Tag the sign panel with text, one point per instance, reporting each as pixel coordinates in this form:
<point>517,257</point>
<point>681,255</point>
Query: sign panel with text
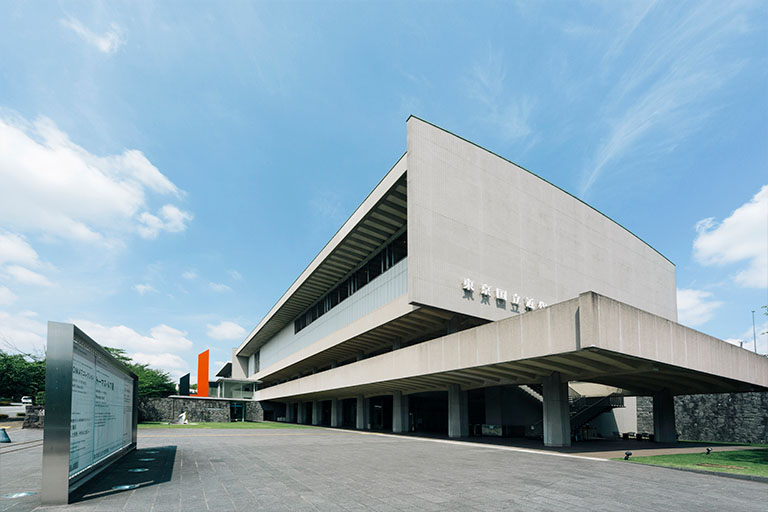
<point>91,411</point>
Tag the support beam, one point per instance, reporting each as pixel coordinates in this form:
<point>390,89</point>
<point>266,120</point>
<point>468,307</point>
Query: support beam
<point>399,412</point>
<point>315,412</point>
<point>664,430</point>
<point>458,415</point>
<point>557,420</point>
<point>335,412</point>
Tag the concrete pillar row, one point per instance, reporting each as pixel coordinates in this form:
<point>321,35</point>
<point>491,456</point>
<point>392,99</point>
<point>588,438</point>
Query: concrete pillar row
<point>315,412</point>
<point>664,430</point>
<point>335,412</point>
<point>360,424</point>
<point>458,412</point>
<point>557,411</point>
<point>399,412</point>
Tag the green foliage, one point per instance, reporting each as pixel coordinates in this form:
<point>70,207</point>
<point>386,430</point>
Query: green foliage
<point>742,462</point>
<point>152,383</point>
<point>3,416</point>
<point>40,398</point>
<point>21,414</point>
<point>21,375</point>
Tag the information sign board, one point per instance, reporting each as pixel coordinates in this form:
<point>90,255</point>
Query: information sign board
<point>91,411</point>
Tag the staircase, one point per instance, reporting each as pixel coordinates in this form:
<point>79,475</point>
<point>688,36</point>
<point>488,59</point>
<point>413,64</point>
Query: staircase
<point>585,409</point>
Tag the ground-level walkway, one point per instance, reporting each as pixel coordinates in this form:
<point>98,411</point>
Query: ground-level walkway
<point>325,469</point>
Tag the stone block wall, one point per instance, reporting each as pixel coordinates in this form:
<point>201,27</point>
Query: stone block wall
<point>725,417</point>
<point>168,409</point>
<point>34,417</point>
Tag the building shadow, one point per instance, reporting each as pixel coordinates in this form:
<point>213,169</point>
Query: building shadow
<point>140,468</point>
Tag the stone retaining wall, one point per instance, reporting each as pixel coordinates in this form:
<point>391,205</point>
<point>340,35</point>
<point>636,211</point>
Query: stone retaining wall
<point>198,410</point>
<point>725,417</point>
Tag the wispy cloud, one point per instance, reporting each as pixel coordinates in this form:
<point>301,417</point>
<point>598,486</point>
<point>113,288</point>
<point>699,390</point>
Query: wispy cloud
<point>219,287</point>
<point>664,88</point>
<point>142,289</point>
<point>189,275</point>
<point>234,274</point>
<point>486,84</point>
<point>740,238</point>
<point>108,42</point>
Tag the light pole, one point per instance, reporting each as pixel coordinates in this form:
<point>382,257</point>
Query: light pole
<point>754,334</point>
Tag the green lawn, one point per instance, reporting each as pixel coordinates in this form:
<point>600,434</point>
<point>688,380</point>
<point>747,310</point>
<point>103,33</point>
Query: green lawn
<point>742,462</point>
<point>238,424</point>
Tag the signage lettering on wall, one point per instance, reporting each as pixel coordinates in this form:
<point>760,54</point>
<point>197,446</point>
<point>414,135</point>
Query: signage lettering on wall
<point>529,303</point>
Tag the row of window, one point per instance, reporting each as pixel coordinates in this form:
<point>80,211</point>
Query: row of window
<point>380,263</point>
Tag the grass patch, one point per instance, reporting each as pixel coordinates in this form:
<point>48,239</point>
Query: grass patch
<point>232,425</point>
<point>724,443</point>
<point>740,462</point>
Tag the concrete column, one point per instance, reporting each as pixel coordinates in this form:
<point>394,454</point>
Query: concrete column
<point>289,413</point>
<point>362,417</point>
<point>397,343</point>
<point>399,412</point>
<point>664,430</point>
<point>458,417</point>
<point>301,413</point>
<point>493,408</point>
<point>359,356</point>
<point>315,412</point>
<point>557,411</point>
<point>335,412</point>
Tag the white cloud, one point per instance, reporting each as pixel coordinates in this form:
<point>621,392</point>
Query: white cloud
<point>740,238</point>
<point>141,289</point>
<point>26,276</point>
<point>166,361</point>
<point>15,249</point>
<point>189,275</point>
<point>695,307</point>
<point>226,331</point>
<point>57,188</point>
<point>161,339</point>
<point>219,287</point>
<point>108,42</point>
<point>170,219</point>
<point>234,274</point>
<point>22,331</point>
<point>7,297</point>
<point>748,336</point>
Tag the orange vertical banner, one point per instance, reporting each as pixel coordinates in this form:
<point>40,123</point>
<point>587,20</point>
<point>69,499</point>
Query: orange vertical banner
<point>202,373</point>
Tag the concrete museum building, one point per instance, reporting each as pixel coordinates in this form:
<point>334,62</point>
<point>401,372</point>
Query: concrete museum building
<point>468,295</point>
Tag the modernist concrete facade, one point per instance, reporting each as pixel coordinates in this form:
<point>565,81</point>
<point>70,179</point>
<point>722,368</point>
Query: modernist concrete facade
<point>466,291</point>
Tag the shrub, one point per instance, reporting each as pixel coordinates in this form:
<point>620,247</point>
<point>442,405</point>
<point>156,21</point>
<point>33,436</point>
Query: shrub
<point>20,414</point>
<point>40,398</point>
<point>4,402</point>
<point>3,416</point>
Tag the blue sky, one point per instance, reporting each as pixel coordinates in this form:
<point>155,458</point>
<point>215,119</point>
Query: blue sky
<point>168,169</point>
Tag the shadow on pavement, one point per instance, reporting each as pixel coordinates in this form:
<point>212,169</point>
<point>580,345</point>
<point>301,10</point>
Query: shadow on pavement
<point>140,468</point>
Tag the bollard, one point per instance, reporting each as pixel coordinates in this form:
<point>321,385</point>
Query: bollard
<point>4,436</point>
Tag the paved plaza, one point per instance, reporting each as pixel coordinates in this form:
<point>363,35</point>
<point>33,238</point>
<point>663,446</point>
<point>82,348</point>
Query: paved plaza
<point>324,469</point>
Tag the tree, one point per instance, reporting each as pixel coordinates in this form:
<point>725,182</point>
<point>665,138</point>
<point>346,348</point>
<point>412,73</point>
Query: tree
<point>21,375</point>
<point>152,383</point>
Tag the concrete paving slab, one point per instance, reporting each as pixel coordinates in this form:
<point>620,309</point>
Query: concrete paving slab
<point>326,469</point>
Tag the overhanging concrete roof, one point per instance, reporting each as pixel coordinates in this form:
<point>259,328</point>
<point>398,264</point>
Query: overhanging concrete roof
<point>591,338</point>
<point>381,215</point>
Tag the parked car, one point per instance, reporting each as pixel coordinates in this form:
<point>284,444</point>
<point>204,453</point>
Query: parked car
<point>26,400</point>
